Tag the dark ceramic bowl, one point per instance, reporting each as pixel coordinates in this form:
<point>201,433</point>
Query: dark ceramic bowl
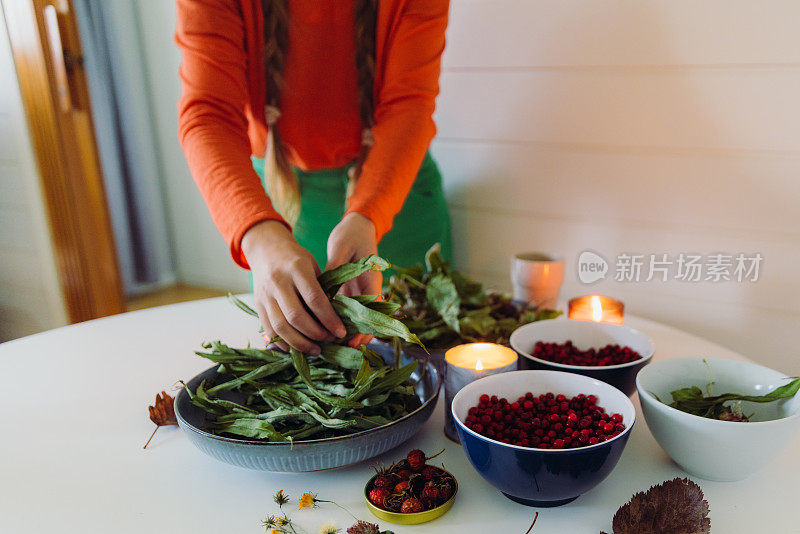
<point>542,477</point>
<point>585,335</point>
<point>306,455</point>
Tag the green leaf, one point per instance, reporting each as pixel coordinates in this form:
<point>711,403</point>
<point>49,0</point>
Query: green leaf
<point>434,261</point>
<point>341,355</point>
<point>301,365</point>
<point>371,322</point>
<point>264,371</point>
<point>443,296</point>
<point>233,299</point>
<point>333,279</point>
<point>786,391</point>
<point>470,292</point>
<point>690,393</point>
<point>251,428</point>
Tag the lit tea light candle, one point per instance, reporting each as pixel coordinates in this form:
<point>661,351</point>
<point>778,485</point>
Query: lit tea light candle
<point>596,308</point>
<point>467,363</point>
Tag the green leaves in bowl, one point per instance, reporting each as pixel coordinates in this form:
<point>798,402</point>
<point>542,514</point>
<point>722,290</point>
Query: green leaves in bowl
<point>271,395</point>
<point>443,307</point>
<point>726,407</point>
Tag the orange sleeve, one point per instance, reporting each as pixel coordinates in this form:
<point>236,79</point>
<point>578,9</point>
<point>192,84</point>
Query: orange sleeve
<point>406,100</point>
<point>212,125</point>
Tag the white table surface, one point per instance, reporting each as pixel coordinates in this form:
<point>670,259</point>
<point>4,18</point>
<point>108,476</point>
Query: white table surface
<point>74,418</point>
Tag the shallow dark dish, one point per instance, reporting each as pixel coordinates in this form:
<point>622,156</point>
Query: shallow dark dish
<point>542,477</point>
<point>308,455</point>
<point>585,335</point>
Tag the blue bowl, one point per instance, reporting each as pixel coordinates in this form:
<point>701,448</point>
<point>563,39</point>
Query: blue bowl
<point>585,335</point>
<point>542,477</point>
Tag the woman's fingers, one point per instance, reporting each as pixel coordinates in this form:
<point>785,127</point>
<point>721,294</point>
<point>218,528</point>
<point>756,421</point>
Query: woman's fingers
<point>317,301</point>
<point>288,333</point>
<point>297,315</point>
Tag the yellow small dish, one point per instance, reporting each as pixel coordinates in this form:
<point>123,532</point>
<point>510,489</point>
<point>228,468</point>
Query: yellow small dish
<point>415,518</point>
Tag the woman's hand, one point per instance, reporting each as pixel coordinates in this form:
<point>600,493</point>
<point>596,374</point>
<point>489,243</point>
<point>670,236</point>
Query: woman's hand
<point>285,277</point>
<point>353,238</point>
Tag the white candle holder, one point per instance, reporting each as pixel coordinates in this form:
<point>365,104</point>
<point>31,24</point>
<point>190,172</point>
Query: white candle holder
<point>467,363</point>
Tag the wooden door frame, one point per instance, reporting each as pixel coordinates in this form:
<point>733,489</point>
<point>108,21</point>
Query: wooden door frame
<point>60,125</point>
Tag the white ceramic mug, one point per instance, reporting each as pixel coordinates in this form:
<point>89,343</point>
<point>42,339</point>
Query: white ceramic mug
<point>537,278</point>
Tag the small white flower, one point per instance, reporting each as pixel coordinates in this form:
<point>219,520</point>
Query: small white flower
<point>328,528</point>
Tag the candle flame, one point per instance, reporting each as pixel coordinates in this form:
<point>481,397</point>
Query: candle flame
<point>479,365</point>
<point>597,309</point>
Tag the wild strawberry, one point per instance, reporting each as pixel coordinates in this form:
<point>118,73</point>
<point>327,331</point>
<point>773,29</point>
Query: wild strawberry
<point>377,496</point>
<point>411,506</point>
<point>431,494</point>
<point>446,490</point>
<point>416,460</point>
<point>382,482</point>
<point>401,486</point>
<point>430,472</point>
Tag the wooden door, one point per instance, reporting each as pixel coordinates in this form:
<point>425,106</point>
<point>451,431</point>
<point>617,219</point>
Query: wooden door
<point>47,55</point>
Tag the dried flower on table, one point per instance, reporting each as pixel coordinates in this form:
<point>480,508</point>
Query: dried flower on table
<point>307,500</point>
<point>362,527</point>
<point>676,506</point>
<point>162,413</point>
<point>328,528</point>
<point>280,498</point>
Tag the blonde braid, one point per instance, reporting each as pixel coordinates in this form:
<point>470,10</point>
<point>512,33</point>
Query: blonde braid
<point>366,20</point>
<point>281,181</point>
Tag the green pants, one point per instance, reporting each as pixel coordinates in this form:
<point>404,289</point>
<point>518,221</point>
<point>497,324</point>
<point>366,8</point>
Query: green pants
<point>423,220</point>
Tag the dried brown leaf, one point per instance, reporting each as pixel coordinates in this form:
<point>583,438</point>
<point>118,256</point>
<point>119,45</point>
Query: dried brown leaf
<point>676,506</point>
<point>162,413</point>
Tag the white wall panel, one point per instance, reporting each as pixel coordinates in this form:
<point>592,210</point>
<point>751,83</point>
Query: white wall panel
<point>721,194</point>
<point>743,109</point>
<point>546,33</point>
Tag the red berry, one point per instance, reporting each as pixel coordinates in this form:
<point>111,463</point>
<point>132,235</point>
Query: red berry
<point>416,460</point>
<point>377,496</point>
<point>593,441</point>
<point>608,428</point>
<point>431,494</point>
<point>411,506</point>
<point>401,486</point>
<point>617,418</point>
<point>382,482</point>
<point>430,472</point>
<point>484,399</point>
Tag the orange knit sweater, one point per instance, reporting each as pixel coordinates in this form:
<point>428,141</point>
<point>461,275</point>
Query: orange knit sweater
<point>221,110</point>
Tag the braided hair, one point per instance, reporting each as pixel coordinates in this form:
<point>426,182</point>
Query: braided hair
<point>281,181</point>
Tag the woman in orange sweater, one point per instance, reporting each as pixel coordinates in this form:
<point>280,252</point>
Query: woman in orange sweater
<point>306,126</point>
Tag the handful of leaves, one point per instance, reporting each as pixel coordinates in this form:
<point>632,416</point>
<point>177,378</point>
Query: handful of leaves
<point>445,308</point>
<point>272,395</point>
<point>692,400</point>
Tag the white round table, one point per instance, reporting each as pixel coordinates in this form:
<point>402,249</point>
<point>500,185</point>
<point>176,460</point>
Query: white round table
<point>74,419</point>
